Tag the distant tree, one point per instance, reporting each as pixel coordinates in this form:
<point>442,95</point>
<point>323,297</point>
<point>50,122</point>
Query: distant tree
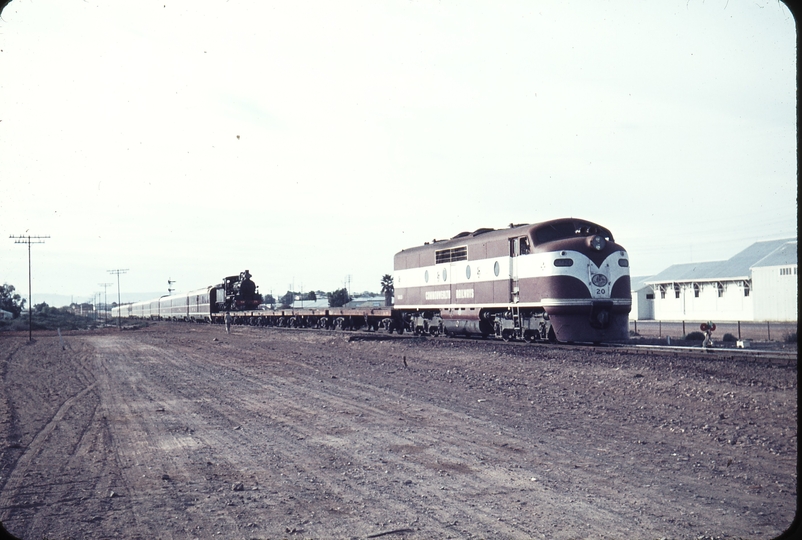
<point>311,296</point>
<point>287,299</point>
<point>10,301</point>
<point>268,299</point>
<point>42,308</point>
<point>388,289</point>
<point>338,298</point>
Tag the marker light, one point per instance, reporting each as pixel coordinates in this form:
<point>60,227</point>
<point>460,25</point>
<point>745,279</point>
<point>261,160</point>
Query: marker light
<point>597,242</point>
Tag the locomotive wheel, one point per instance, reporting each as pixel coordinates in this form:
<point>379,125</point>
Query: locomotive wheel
<point>506,335</point>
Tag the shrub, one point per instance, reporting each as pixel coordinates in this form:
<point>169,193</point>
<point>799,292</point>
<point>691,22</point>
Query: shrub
<point>695,336</point>
<point>729,338</point>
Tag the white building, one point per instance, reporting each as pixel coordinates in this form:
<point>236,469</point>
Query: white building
<point>759,283</point>
<point>774,284</point>
<point>642,300</point>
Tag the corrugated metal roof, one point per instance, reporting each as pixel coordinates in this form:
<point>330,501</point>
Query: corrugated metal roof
<point>705,271</point>
<point>736,267</point>
<point>320,303</point>
<point>637,283</point>
<point>784,255</point>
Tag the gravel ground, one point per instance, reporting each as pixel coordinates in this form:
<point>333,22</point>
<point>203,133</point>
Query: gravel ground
<point>183,431</point>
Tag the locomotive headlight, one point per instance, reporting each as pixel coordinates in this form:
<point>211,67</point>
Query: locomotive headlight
<point>599,280</point>
<point>597,242</point>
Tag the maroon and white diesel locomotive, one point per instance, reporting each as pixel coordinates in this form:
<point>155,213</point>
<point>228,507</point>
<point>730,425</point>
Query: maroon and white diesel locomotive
<point>564,280</point>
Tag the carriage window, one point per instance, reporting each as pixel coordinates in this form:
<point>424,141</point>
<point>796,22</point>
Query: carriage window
<point>524,245</point>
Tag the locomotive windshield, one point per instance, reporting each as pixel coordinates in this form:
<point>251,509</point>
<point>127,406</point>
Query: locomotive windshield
<point>561,230</point>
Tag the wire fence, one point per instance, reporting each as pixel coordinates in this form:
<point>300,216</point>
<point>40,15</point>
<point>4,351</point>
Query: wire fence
<point>755,330</point>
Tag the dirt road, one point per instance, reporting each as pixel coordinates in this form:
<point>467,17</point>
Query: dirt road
<point>181,431</point>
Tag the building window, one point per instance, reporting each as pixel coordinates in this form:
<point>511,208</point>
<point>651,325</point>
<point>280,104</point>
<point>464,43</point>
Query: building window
<point>696,290</point>
<point>676,290</point>
<point>650,296</point>
<point>746,288</point>
<point>662,292</point>
<point>720,289</point>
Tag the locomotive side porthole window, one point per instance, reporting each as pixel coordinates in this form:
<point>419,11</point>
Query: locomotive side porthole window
<point>445,275</point>
<point>496,269</point>
<point>426,276</point>
<point>468,271</point>
<point>623,262</point>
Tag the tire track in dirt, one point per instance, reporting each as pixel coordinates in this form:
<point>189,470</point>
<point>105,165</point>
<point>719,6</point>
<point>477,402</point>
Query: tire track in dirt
<point>32,500</point>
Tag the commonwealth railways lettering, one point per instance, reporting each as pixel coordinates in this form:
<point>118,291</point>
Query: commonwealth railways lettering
<point>438,295</point>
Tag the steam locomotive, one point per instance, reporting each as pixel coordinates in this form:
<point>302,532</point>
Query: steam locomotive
<point>560,280</point>
<point>235,293</point>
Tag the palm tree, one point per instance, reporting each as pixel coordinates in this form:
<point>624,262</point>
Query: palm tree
<point>388,289</point>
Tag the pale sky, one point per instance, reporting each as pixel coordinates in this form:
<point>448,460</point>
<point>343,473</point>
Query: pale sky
<point>311,141</point>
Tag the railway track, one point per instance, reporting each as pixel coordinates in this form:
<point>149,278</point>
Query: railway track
<point>724,353</point>
<point>778,357</point>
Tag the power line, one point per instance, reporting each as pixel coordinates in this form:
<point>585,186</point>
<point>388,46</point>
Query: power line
<point>119,306</point>
<point>29,239</point>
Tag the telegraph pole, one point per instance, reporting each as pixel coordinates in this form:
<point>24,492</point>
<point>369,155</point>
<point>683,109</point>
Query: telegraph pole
<point>119,303</point>
<point>23,239</point>
<point>105,300</point>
